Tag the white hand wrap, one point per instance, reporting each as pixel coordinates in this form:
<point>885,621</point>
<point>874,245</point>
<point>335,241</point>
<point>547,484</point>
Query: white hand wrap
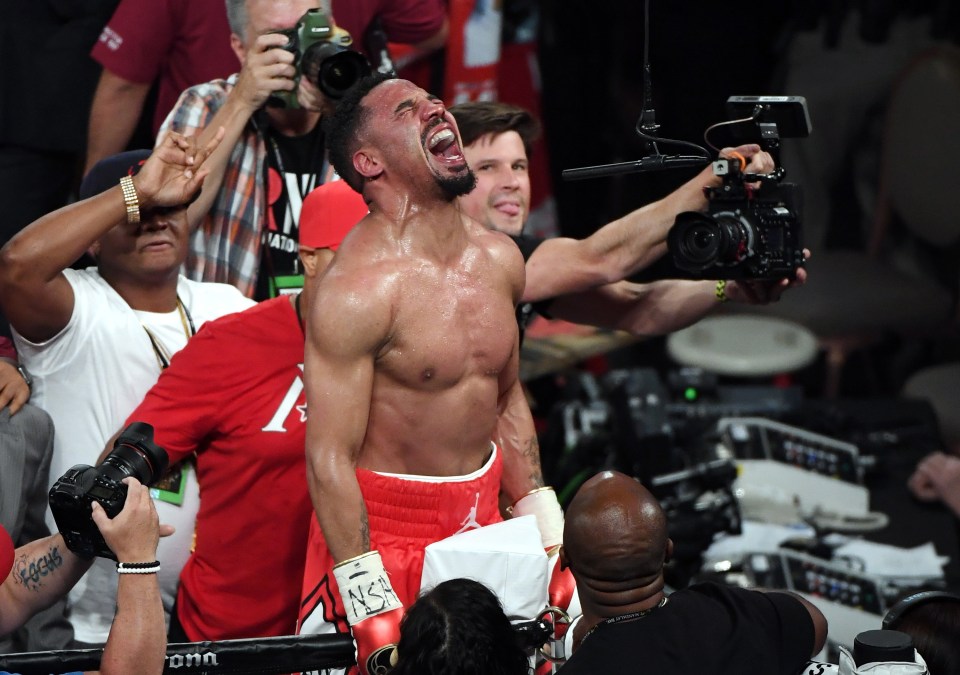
<point>365,587</point>
<point>543,504</point>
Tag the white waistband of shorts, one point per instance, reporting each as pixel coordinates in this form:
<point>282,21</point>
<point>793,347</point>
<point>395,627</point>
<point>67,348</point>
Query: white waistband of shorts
<point>446,479</point>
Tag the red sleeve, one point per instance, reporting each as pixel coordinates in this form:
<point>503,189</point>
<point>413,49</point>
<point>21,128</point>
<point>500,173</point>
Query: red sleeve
<point>404,21</point>
<point>7,350</point>
<point>182,406</point>
<point>136,40</point>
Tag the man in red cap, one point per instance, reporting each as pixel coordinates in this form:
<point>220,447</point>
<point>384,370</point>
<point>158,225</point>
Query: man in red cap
<point>235,397</point>
<point>37,574</point>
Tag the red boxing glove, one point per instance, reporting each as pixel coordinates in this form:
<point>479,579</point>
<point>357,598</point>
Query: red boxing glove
<point>562,588</point>
<point>377,639</point>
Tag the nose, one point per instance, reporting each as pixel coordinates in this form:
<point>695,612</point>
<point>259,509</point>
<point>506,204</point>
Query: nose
<point>155,221</point>
<point>432,108</point>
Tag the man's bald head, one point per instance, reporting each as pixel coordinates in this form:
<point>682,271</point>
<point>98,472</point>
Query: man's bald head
<point>615,534</point>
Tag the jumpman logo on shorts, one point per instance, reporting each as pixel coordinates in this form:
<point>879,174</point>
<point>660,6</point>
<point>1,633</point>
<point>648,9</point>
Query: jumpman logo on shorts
<point>470,522</point>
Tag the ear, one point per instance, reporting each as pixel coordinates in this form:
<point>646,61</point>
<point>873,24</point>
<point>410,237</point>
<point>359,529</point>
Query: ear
<point>367,164</point>
<point>238,47</point>
<point>94,250</point>
<point>668,553</point>
<point>315,260</point>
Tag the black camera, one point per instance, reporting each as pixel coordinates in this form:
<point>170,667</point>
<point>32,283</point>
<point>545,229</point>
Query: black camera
<point>746,233</point>
<point>134,454</point>
<point>322,54</point>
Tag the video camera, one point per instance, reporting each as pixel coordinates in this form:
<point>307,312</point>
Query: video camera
<point>322,54</point>
<point>747,232</point>
<point>134,454</point>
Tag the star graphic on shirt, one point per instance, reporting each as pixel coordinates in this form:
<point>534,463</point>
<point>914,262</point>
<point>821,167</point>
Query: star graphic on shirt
<point>303,412</point>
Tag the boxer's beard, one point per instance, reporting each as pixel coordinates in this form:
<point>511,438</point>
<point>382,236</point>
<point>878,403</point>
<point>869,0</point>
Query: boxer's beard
<point>456,186</point>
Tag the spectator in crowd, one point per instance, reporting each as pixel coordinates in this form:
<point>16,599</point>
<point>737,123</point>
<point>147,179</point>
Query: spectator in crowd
<point>39,573</point>
<point>94,340</point>
<point>46,85</point>
<point>410,371</point>
<point>583,280</point>
<point>248,217</point>
<point>172,44</point>
<point>458,626</point>
<point>26,445</point>
<point>249,448</point>
<point>615,543</point>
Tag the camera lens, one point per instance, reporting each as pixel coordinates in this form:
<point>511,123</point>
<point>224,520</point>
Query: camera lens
<point>135,454</point>
<point>333,69</point>
<point>699,241</point>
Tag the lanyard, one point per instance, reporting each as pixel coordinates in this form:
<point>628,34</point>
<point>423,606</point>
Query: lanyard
<point>163,355</point>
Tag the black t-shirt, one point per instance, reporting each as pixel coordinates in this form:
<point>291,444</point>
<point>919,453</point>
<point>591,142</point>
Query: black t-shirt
<point>706,629</point>
<point>526,310</point>
<point>295,165</point>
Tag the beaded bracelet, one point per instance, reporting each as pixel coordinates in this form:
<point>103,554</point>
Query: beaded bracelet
<point>138,568</point>
<point>721,291</point>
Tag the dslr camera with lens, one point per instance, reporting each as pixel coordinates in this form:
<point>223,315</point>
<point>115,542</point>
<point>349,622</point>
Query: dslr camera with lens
<point>322,54</point>
<point>747,232</point>
<point>134,454</point>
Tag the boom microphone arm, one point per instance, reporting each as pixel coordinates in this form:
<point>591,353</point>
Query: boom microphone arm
<point>649,163</point>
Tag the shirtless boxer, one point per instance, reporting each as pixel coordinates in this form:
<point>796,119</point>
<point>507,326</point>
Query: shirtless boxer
<point>411,369</point>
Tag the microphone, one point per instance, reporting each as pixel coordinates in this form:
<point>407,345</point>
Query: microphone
<point>648,163</point>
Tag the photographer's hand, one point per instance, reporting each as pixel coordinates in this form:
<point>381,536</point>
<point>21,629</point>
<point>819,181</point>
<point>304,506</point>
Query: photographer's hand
<point>312,99</point>
<point>134,533</point>
<point>266,69</point>
<point>764,292</point>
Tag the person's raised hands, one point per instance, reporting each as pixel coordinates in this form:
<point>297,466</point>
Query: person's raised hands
<point>172,175</point>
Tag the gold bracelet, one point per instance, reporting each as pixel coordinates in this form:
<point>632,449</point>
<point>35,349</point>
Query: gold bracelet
<point>721,291</point>
<point>130,199</point>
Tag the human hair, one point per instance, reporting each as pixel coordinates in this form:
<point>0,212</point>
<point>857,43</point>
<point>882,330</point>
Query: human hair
<point>476,119</point>
<point>341,129</point>
<point>459,627</point>
<point>934,625</point>
<point>237,17</point>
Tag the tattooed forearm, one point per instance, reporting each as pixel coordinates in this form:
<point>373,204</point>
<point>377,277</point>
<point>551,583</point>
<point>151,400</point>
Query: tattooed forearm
<point>532,455</point>
<point>364,526</point>
<point>30,571</point>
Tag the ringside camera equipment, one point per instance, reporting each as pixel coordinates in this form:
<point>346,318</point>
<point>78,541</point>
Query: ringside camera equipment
<point>323,55</point>
<point>134,454</point>
<point>752,226</point>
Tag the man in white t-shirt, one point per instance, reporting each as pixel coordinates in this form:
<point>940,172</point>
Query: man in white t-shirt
<point>95,340</point>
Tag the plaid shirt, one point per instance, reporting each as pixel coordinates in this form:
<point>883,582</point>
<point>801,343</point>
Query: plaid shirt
<point>226,245</point>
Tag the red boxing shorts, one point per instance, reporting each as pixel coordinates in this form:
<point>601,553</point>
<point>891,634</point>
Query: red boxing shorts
<point>406,513</point>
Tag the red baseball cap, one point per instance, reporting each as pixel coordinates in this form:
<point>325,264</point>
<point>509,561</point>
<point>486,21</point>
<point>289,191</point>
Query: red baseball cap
<point>328,213</point>
<point>6,554</point>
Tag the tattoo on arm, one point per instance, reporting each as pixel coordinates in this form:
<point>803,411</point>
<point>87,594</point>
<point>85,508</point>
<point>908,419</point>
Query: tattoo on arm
<point>364,526</point>
<point>532,454</point>
<point>30,572</point>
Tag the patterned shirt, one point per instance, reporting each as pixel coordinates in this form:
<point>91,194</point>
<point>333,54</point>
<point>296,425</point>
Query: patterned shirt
<point>226,245</point>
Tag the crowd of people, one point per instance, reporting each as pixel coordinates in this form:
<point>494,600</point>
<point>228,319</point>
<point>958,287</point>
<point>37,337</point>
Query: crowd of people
<point>318,310</point>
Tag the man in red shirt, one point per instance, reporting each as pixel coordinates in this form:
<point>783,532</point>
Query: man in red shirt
<point>235,397</point>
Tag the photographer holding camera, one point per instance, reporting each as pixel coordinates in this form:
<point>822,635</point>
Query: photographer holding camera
<point>583,280</point>
<point>37,574</point>
<point>245,225</point>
